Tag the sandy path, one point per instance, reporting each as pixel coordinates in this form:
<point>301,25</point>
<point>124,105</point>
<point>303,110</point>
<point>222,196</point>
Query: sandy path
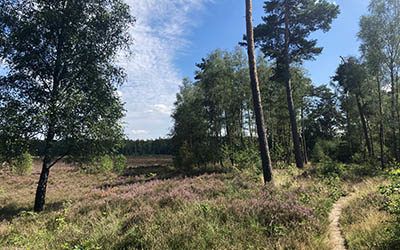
<point>336,239</point>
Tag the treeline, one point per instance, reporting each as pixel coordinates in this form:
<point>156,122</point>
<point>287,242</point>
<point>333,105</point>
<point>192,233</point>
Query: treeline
<point>126,147</point>
<point>353,118</point>
<point>146,147</point>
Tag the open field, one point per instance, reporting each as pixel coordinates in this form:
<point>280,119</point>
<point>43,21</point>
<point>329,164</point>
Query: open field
<point>153,206</point>
<point>160,209</point>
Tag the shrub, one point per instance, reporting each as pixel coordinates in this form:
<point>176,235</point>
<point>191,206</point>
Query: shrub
<point>392,193</point>
<point>120,164</point>
<point>318,154</point>
<point>105,164</point>
<point>245,158</point>
<point>331,168</point>
<point>23,164</point>
<point>102,164</point>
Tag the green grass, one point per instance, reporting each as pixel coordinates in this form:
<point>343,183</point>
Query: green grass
<point>155,207</point>
<point>365,222</point>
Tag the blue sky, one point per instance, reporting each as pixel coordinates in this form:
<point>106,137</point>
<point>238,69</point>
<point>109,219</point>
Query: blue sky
<point>170,37</point>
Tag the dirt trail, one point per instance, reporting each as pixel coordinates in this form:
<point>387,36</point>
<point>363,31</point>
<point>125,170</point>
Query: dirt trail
<point>336,239</point>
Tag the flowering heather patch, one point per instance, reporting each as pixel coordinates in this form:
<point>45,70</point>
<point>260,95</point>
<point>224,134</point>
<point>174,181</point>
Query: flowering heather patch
<point>272,210</point>
<point>187,189</point>
<point>163,211</point>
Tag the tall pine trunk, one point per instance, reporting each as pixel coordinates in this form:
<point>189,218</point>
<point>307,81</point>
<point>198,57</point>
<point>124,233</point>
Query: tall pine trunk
<point>289,94</point>
<point>255,88</point>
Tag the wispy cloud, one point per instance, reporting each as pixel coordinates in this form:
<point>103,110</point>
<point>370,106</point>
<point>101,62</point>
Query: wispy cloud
<point>159,36</point>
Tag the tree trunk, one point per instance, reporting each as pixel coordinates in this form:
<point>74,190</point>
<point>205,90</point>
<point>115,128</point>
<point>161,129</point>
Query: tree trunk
<point>303,138</point>
<point>289,95</point>
<point>40,197</point>
<point>262,138</point>
<point>364,126</point>
<point>398,114</point>
<point>393,114</point>
<point>304,148</point>
<point>250,126</point>
<point>381,129</point>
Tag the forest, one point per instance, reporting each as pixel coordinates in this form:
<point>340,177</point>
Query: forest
<point>259,155</point>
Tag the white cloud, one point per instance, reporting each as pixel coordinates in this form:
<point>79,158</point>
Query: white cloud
<point>153,80</point>
<point>139,132</point>
<point>162,109</point>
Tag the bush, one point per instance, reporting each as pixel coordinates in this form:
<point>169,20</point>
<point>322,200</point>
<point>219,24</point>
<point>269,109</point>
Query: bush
<point>318,154</point>
<point>392,193</point>
<point>105,164</point>
<point>331,168</point>
<point>120,164</point>
<point>23,164</point>
<point>102,164</point>
<point>244,158</point>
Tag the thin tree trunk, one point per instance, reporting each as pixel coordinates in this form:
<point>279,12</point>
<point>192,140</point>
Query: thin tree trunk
<point>381,129</point>
<point>250,126</point>
<point>289,95</point>
<point>303,137</point>
<point>262,138</point>
<point>40,197</point>
<point>397,113</point>
<point>364,126</point>
<point>393,114</point>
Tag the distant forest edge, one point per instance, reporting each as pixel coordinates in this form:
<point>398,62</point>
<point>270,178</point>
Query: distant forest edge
<point>127,147</point>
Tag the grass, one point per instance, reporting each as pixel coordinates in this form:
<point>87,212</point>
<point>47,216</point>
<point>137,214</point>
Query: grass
<point>153,206</point>
<point>365,222</point>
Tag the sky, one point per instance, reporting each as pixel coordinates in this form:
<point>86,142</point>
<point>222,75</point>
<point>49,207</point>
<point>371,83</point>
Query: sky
<point>170,37</point>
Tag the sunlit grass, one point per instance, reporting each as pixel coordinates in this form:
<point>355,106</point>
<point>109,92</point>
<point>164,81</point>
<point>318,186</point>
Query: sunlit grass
<point>158,208</point>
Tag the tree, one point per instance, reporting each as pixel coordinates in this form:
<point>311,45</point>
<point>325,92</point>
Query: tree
<point>322,119</point>
<point>284,37</point>
<point>191,140</point>
<point>380,33</point>
<point>373,53</point>
<point>61,77</point>
<point>351,76</point>
<point>258,110</point>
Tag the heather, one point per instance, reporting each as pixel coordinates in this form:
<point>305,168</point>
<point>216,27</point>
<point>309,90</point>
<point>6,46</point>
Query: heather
<point>166,209</point>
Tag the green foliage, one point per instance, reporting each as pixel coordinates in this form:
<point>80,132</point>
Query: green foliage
<point>392,193</point>
<point>331,168</point>
<point>100,164</point>
<point>305,17</point>
<point>247,157</point>
<point>120,164</point>
<point>318,154</point>
<point>325,150</point>
<point>70,93</point>
<point>23,164</point>
<point>105,164</point>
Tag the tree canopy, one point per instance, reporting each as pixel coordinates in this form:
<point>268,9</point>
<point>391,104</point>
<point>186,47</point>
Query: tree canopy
<point>62,77</point>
